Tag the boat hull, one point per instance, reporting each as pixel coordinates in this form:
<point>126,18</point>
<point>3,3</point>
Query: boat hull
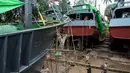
<point>120,38</point>
<point>80,30</point>
<point>83,31</point>
<point>120,32</point>
<point>22,49</point>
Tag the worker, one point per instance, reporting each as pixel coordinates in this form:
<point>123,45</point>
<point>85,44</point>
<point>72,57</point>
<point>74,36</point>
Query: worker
<point>125,15</point>
<point>45,70</point>
<point>105,68</point>
<point>89,68</point>
<point>86,58</point>
<point>86,18</point>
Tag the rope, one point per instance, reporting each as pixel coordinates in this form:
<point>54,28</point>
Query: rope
<point>87,32</point>
<point>82,37</point>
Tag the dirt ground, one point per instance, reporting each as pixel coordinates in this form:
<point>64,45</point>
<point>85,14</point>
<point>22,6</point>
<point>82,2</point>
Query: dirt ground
<point>75,69</point>
<point>96,58</point>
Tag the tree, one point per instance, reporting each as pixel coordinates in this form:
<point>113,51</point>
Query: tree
<point>80,2</point>
<point>109,9</point>
<point>43,5</point>
<point>107,1</point>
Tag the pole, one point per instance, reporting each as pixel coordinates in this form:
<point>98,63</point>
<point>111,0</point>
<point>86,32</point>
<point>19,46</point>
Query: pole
<point>28,13</point>
<point>99,7</point>
<point>95,3</point>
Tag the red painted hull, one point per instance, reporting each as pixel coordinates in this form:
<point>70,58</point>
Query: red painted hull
<point>120,32</point>
<point>80,30</point>
<point>120,38</point>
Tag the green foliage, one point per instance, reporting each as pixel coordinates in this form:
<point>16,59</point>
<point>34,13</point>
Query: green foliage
<point>43,5</point>
<point>80,2</point>
<point>109,9</point>
<point>9,16</point>
<point>107,1</point>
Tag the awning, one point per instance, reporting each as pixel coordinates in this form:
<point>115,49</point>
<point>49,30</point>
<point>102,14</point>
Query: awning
<point>6,5</point>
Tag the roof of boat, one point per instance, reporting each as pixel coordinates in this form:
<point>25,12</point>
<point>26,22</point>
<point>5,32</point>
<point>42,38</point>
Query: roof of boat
<point>83,8</point>
<point>79,5</point>
<point>119,8</point>
<point>122,7</point>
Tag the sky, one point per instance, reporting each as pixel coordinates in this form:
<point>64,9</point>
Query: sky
<point>99,2</point>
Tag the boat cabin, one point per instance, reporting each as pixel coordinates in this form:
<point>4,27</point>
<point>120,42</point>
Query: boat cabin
<point>81,15</point>
<point>122,16</point>
<point>81,12</point>
<point>123,12</point>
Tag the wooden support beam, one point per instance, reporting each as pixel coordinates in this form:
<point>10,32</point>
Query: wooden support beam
<point>62,50</point>
<point>86,65</point>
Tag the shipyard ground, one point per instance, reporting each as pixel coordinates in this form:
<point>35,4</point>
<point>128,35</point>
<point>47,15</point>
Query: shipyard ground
<point>68,63</point>
<point>73,61</point>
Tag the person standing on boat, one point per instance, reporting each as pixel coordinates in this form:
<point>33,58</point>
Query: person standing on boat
<point>89,68</point>
<point>86,18</point>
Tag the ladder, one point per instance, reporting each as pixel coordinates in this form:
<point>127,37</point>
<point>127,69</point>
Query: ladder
<point>77,16</point>
<point>57,13</point>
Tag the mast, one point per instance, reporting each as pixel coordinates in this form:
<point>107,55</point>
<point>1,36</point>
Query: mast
<point>95,3</point>
<point>28,13</point>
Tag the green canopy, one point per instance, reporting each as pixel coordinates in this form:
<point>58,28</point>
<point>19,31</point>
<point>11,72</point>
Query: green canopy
<point>7,29</point>
<point>6,5</point>
<point>99,21</point>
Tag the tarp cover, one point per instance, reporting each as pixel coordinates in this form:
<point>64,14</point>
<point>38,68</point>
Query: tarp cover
<point>7,29</point>
<point>6,5</point>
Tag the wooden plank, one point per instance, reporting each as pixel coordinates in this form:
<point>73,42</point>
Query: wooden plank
<point>86,65</point>
<point>62,50</point>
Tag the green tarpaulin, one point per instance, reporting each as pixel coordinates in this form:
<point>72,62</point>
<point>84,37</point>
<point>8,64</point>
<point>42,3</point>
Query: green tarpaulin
<point>7,29</point>
<point>6,5</point>
<point>101,25</point>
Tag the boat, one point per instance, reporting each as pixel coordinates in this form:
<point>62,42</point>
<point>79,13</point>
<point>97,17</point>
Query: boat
<point>24,45</point>
<point>120,27</point>
<point>86,23</point>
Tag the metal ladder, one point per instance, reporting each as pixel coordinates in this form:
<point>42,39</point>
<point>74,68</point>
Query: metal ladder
<point>77,16</point>
<point>57,13</point>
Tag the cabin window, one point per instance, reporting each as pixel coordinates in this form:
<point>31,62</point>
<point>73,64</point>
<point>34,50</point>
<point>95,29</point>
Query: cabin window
<point>83,16</point>
<point>122,13</point>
